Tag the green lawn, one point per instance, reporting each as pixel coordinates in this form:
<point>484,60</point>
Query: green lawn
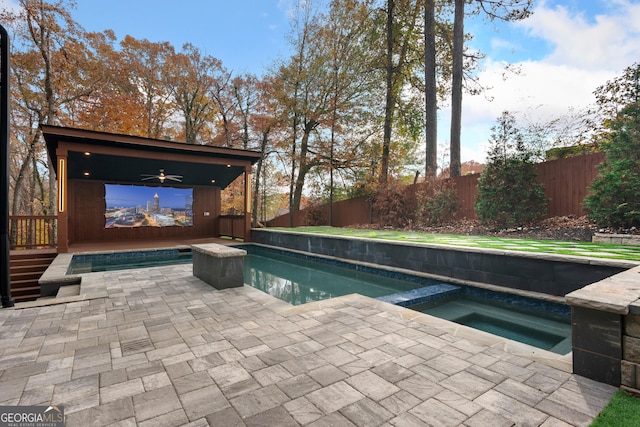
<point>586,249</point>
<point>622,410</point>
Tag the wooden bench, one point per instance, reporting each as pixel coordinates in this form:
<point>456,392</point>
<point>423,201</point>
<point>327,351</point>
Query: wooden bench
<point>218,265</point>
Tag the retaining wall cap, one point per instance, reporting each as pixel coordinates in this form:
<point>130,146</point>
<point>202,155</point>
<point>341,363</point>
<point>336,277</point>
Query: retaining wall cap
<point>218,251</point>
<point>617,239</point>
<point>614,294</point>
<point>488,251</point>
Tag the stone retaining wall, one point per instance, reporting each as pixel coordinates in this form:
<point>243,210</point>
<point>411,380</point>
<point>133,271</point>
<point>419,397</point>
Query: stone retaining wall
<point>605,318</point>
<point>616,239</point>
<point>549,274</point>
<point>630,363</point>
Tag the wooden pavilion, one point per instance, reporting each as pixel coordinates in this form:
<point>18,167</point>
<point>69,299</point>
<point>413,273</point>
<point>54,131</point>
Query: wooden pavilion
<point>85,161</point>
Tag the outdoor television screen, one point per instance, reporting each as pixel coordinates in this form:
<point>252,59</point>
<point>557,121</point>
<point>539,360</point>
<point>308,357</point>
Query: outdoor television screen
<point>141,206</point>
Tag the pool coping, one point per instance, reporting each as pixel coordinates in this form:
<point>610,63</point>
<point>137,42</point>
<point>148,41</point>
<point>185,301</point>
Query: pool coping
<point>95,287</point>
<point>55,276</point>
<point>559,361</point>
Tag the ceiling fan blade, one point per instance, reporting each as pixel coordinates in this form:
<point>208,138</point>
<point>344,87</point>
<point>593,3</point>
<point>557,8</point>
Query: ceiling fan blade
<point>161,177</point>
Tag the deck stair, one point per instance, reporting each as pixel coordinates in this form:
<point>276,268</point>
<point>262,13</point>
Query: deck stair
<point>26,267</point>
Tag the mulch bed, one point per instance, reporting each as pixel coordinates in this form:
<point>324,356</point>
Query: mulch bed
<point>571,228</point>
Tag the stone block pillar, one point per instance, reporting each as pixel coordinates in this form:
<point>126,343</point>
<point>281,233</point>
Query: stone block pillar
<point>605,329</point>
<point>220,266</point>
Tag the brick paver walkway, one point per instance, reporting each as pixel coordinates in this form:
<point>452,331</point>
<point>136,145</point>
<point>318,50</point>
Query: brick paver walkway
<point>166,349</point>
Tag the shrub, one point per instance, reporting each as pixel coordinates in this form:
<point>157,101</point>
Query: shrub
<point>437,201</point>
<point>614,199</point>
<point>508,195</point>
<point>570,151</point>
<point>315,215</point>
<point>395,205</point>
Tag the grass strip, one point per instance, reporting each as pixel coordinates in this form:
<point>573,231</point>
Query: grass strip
<point>584,249</point>
<point>622,410</point>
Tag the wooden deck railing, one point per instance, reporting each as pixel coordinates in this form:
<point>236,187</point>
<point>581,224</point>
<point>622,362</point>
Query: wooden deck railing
<point>231,226</point>
<point>32,231</point>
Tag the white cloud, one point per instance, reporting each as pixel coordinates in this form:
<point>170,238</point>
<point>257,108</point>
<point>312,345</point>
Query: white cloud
<point>603,42</point>
<point>551,86</point>
<point>585,52</point>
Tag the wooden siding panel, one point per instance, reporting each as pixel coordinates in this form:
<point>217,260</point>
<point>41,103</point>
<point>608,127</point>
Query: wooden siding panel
<point>86,216</point>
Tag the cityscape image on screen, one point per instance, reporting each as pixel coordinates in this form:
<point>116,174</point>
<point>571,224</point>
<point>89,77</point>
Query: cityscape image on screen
<point>143,206</point>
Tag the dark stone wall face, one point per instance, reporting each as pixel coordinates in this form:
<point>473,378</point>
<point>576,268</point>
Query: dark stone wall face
<point>535,273</point>
<point>630,363</point>
<point>596,338</point>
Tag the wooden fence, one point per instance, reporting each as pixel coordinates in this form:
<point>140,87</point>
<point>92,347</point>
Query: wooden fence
<point>231,226</point>
<point>566,183</point>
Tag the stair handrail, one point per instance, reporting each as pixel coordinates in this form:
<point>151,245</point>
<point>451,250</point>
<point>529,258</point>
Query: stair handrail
<point>32,231</point>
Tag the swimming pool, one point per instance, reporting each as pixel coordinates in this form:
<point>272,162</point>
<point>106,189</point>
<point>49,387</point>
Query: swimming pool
<point>89,263</point>
<point>544,325</point>
<point>299,278</point>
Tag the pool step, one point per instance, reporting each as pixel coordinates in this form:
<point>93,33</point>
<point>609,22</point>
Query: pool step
<point>420,295</point>
<point>68,291</point>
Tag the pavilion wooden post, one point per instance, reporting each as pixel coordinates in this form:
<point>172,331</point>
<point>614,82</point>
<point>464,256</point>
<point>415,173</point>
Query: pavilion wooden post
<point>63,214</point>
<point>247,204</point>
<point>5,251</point>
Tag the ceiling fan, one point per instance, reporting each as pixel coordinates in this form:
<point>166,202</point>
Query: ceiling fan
<point>161,177</point>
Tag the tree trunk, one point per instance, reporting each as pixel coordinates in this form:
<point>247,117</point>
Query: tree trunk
<point>389,99</point>
<point>303,166</point>
<point>16,208</point>
<point>430,91</point>
<point>293,165</point>
<point>456,88</point>
<point>256,190</point>
<point>190,132</point>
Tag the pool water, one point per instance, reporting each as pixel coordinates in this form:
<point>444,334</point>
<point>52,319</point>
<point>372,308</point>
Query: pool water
<point>542,329</point>
<point>299,280</point>
<point>81,263</point>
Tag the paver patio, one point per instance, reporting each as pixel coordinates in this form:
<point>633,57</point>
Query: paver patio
<point>164,348</point>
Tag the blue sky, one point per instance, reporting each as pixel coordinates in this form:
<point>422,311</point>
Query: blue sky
<point>564,51</point>
<point>246,35</point>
